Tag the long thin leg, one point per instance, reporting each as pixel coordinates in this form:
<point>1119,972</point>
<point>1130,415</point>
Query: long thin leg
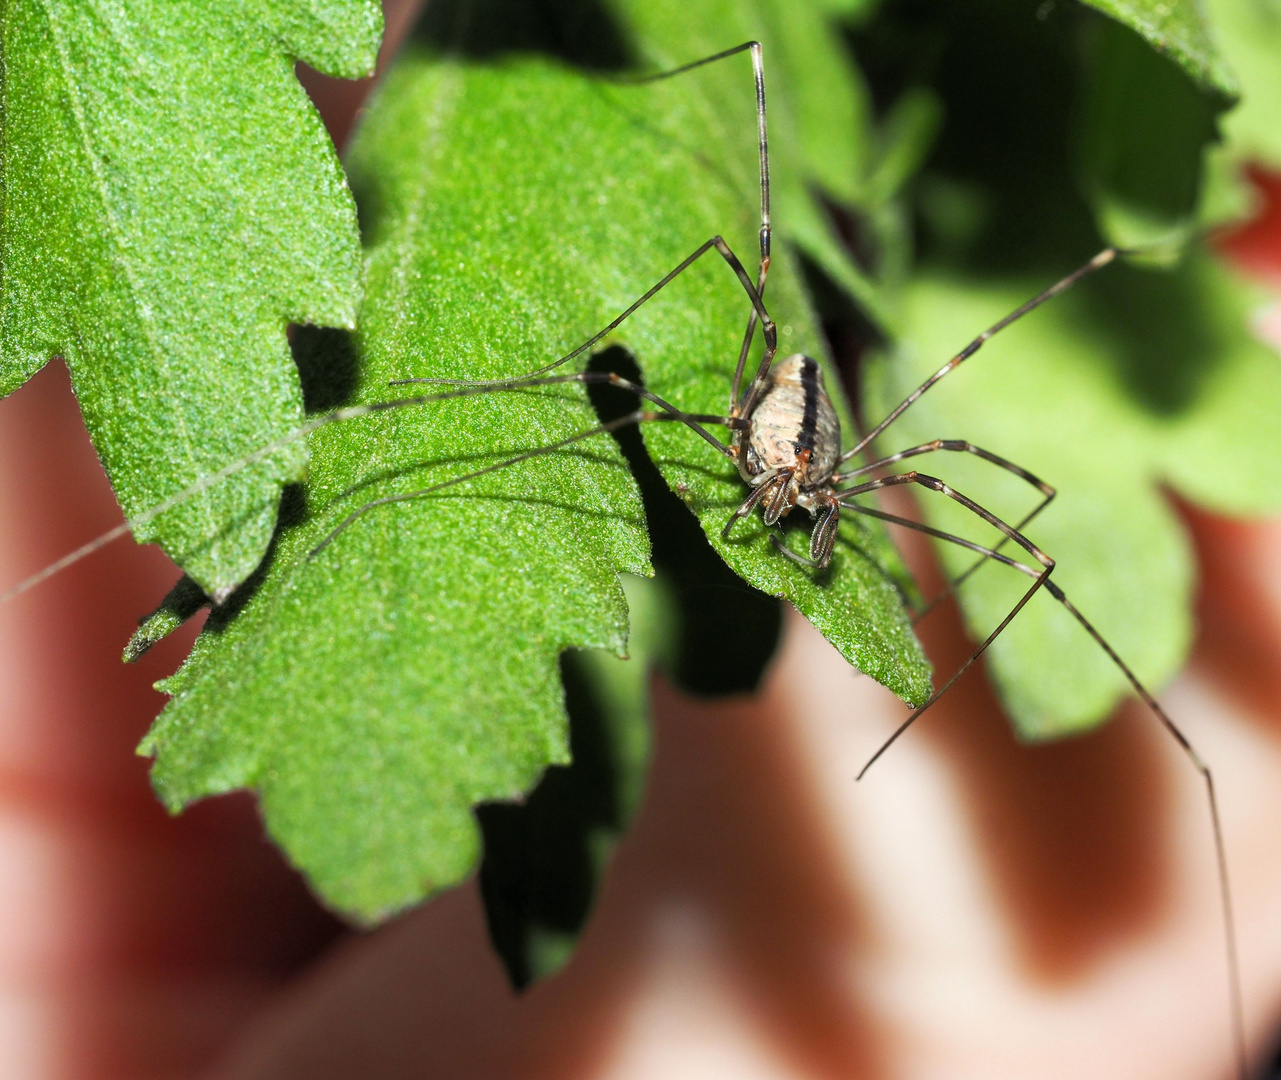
<point>757,313</point>
<point>933,483</point>
<point>464,387</point>
<point>722,248</point>
<point>762,134</point>
<point>1235,1005</point>
<point>637,417</point>
<point>955,584</point>
<point>734,404</point>
<point>1099,261</point>
<point>694,421</point>
<point>354,412</point>
<point>824,535</point>
<point>754,294</point>
<point>894,519</point>
<point>746,506</point>
<point>765,233</point>
<point>962,446</point>
<point>762,139</point>
<point>203,484</point>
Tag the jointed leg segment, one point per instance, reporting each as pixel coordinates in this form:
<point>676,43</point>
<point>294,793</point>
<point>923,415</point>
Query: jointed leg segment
<point>639,416</point>
<point>1099,261</point>
<point>1042,580</point>
<point>961,446</point>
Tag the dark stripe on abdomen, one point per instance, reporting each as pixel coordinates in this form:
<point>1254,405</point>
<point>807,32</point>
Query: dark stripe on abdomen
<point>809,419</point>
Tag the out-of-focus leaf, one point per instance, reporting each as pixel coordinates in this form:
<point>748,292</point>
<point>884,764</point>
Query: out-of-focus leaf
<point>1145,131</point>
<point>1134,381</point>
<point>906,137</point>
<point>1107,376</point>
<point>1179,29</point>
<point>1249,32</point>
<point>171,201</point>
<point>845,9</point>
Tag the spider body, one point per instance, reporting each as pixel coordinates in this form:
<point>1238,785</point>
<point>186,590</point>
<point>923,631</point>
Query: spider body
<point>794,427</point>
<point>790,449</point>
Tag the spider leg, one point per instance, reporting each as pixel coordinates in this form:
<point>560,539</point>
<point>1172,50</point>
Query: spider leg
<point>762,143</point>
<point>745,507</point>
<point>716,242</point>
<point>1041,579</point>
<point>1099,261</point>
<point>951,588</point>
<point>960,446</point>
<point>693,421</point>
<point>639,416</point>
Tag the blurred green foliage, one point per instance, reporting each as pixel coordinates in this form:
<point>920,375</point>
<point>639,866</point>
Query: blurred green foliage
<point>1065,132</point>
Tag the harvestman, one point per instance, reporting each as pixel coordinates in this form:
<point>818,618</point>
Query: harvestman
<point>785,441</point>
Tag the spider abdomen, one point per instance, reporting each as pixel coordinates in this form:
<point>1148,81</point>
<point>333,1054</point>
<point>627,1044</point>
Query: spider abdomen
<point>794,426</point>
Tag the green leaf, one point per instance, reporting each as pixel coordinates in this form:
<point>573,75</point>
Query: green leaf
<point>181,603</point>
<point>1177,28</point>
<point>845,9</point>
<point>907,135</point>
<point>1154,163</point>
<point>1250,31</point>
<point>170,202</point>
<point>374,694</point>
<point>1134,381</point>
<point>1145,131</point>
<point>1113,384</point>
